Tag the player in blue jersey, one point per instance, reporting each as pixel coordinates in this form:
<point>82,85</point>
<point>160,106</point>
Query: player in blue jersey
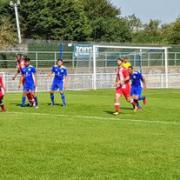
<point>59,81</point>
<point>29,81</point>
<point>137,85</point>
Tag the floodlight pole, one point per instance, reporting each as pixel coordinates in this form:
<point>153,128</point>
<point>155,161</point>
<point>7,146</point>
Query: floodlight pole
<point>15,5</point>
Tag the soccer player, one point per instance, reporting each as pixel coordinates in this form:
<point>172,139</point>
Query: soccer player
<point>59,81</point>
<point>2,92</point>
<point>126,63</point>
<point>20,59</point>
<point>20,65</point>
<point>137,80</point>
<point>123,86</point>
<point>29,81</point>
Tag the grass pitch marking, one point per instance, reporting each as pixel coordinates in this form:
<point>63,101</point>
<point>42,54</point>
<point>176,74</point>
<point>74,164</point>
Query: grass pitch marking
<point>99,118</point>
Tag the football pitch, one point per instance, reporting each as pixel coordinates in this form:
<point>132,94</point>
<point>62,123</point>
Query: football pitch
<point>85,141</point>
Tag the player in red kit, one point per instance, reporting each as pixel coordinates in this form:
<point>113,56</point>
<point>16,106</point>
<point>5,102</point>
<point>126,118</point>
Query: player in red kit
<point>20,65</point>
<point>123,87</point>
<point>2,93</point>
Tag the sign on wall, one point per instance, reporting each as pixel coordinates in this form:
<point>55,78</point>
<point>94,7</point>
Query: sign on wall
<point>83,51</point>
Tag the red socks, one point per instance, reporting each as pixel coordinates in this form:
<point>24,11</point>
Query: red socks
<point>30,97</point>
<point>3,108</point>
<point>117,107</point>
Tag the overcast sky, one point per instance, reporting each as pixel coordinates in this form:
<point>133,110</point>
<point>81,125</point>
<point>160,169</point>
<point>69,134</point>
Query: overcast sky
<point>164,10</point>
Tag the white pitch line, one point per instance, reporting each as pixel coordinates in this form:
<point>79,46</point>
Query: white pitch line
<point>99,118</point>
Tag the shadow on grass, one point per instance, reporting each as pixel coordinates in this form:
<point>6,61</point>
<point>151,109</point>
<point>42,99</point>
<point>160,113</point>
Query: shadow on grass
<point>56,104</point>
<point>127,111</point>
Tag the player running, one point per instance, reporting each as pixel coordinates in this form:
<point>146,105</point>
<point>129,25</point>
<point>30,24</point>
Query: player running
<point>2,93</point>
<point>123,86</point>
<point>137,80</point>
<point>29,81</point>
<point>59,81</point>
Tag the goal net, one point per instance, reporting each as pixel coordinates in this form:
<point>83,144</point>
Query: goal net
<point>151,61</point>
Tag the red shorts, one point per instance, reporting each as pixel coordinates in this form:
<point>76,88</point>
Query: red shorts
<point>125,91</point>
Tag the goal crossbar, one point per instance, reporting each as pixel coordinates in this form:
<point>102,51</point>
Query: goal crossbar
<point>131,47</point>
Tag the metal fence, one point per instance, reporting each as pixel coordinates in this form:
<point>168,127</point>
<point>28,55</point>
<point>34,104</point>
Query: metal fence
<point>43,59</point>
<point>85,81</point>
<point>93,67</point>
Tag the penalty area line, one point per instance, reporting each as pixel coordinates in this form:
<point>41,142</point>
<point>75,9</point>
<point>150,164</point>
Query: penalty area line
<point>98,118</point>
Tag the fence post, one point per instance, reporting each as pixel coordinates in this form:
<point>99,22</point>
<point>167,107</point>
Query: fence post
<point>162,58</point>
<point>36,60</point>
<point>105,59</point>
<point>162,80</point>
<point>134,58</point>
<point>89,64</point>
<point>55,57</point>
<point>148,58</point>
<point>94,67</point>
<point>166,65</point>
<point>141,63</point>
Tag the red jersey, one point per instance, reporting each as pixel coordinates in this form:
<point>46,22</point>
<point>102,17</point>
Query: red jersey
<point>2,87</point>
<point>20,64</point>
<point>121,75</point>
<point>124,88</point>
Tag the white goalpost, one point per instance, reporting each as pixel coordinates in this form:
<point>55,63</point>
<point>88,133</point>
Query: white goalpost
<point>140,50</point>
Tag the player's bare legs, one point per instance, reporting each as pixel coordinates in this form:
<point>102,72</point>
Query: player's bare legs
<point>32,98</point>
<point>139,98</point>
<point>133,102</point>
<point>117,104</point>
<point>2,104</point>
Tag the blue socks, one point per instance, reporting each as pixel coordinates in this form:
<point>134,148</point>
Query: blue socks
<point>36,100</point>
<point>63,99</point>
<point>23,101</point>
<point>52,98</point>
<point>141,98</point>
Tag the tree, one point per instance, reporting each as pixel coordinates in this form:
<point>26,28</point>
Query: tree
<point>81,20</point>
<point>134,23</point>
<point>7,35</point>
<point>111,30</point>
<point>99,8</point>
<point>50,19</point>
<point>174,37</point>
<point>151,33</point>
<point>166,32</point>
<point>105,20</point>
<point>54,19</point>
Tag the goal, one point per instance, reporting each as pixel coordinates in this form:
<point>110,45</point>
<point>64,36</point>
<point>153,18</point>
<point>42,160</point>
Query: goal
<point>145,58</point>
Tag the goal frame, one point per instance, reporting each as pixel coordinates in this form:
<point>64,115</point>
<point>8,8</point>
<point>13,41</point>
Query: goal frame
<point>164,48</point>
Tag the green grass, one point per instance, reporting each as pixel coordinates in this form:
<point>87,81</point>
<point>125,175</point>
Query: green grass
<point>85,141</point>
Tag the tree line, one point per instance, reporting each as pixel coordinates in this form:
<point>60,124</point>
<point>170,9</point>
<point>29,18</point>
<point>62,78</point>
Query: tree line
<point>83,20</point>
